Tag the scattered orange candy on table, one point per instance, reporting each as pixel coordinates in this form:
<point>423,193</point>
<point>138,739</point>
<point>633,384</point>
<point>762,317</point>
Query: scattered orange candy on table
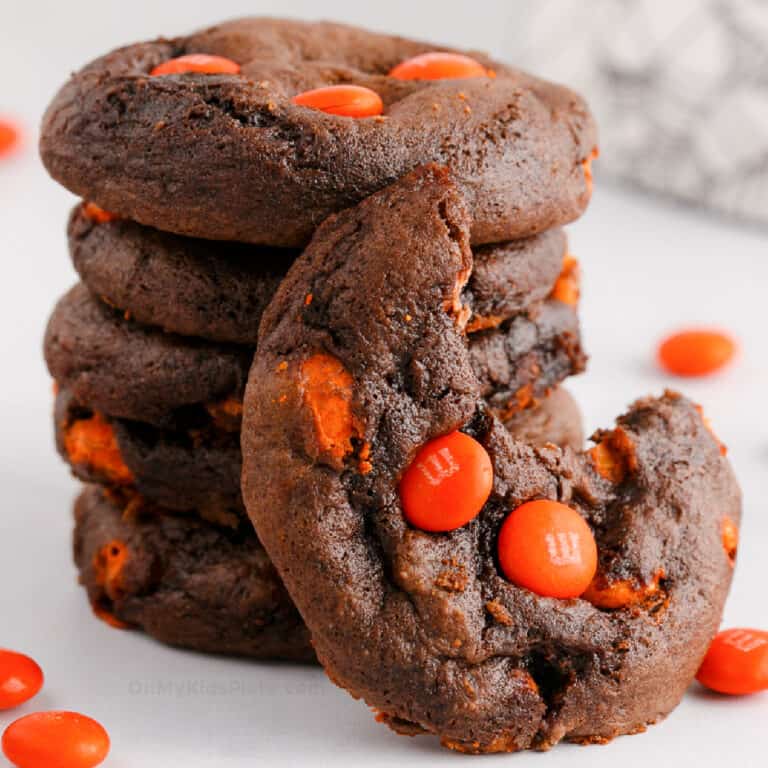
<point>447,484</point>
<point>696,352</point>
<point>548,548</point>
<point>20,679</point>
<point>438,65</point>
<point>202,63</point>
<point>736,662</point>
<point>55,740</point>
<point>9,137</point>
<point>342,100</point>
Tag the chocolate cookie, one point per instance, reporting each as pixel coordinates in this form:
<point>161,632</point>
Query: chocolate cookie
<point>136,372</point>
<point>194,469</point>
<point>268,171</point>
<point>218,290</point>
<point>423,626</point>
<point>184,581</point>
<point>211,289</point>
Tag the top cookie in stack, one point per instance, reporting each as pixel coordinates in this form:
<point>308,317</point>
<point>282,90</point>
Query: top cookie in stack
<point>223,152</point>
<point>205,164</point>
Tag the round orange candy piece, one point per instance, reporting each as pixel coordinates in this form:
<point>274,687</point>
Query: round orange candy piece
<point>447,484</point>
<point>548,548</point>
<point>20,679</point>
<point>696,352</point>
<point>342,100</point>
<point>201,63</point>
<point>9,137</point>
<point>55,740</point>
<point>736,662</point>
<point>438,65</point>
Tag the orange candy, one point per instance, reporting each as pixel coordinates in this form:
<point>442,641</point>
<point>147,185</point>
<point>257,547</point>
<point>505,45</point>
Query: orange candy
<point>736,662</point>
<point>20,679</point>
<point>9,137</point>
<point>697,352</point>
<point>729,534</point>
<point>202,63</point>
<point>97,214</point>
<point>548,548</point>
<point>447,484</point>
<point>438,65</point>
<point>343,100</point>
<point>55,740</point>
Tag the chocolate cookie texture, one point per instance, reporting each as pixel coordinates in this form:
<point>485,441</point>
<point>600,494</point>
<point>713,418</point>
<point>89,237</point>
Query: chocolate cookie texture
<point>185,582</point>
<point>268,171</point>
<point>218,290</point>
<point>423,626</point>
<point>132,371</point>
<point>196,469</point>
<point>557,419</point>
<point>214,290</point>
<point>520,362</point>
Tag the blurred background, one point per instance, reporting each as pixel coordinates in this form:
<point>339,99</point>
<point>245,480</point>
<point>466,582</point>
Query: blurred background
<point>677,235</point>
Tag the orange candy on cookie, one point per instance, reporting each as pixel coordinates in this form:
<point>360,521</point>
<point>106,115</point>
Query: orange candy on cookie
<point>20,679</point>
<point>696,352</point>
<point>736,662</point>
<point>55,740</point>
<point>97,214</point>
<point>548,548</point>
<point>439,65</point>
<point>447,484</point>
<point>201,63</point>
<point>342,100</point>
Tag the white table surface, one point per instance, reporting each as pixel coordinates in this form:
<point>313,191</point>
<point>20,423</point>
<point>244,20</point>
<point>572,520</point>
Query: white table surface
<point>648,267</point>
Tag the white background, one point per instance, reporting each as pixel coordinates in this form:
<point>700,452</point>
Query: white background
<point>648,267</point>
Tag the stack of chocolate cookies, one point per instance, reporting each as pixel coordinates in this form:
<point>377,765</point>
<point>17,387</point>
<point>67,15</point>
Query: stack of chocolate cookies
<point>150,352</point>
<point>372,232</point>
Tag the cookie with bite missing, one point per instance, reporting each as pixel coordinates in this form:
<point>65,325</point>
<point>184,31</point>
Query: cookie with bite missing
<point>426,625</point>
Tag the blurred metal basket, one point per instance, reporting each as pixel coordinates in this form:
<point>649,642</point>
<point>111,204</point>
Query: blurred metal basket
<point>680,90</point>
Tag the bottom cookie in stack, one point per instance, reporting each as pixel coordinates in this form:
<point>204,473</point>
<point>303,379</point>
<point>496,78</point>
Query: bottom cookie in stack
<point>183,580</point>
<point>203,584</point>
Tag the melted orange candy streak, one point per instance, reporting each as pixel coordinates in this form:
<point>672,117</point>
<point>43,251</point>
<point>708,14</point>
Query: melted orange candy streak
<point>567,288</point>
<point>327,390</point>
<point>92,442</point>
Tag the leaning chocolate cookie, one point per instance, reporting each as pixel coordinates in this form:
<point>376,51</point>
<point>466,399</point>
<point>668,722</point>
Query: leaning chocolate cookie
<point>184,581</point>
<point>492,623</point>
<point>268,170</point>
<point>218,290</point>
